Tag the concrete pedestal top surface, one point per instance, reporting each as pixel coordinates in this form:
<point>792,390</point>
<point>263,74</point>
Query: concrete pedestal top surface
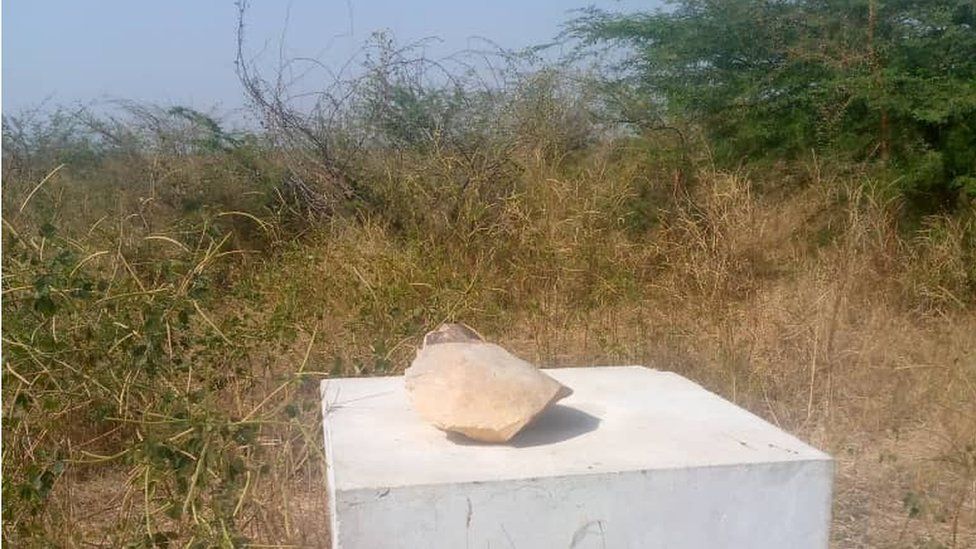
<point>633,458</point>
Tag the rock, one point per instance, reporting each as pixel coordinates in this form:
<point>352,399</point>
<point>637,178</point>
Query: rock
<point>463,384</point>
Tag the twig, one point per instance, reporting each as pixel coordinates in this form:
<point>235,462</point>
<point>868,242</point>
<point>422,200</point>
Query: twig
<point>195,477</point>
<point>210,322</point>
<point>38,187</point>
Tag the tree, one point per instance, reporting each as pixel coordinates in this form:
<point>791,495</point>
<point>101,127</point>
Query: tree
<point>892,82</point>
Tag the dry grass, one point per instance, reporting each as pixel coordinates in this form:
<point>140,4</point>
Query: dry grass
<point>812,309</point>
<point>127,423</point>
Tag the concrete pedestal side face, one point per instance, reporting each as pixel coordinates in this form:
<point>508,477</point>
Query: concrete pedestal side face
<point>634,458</point>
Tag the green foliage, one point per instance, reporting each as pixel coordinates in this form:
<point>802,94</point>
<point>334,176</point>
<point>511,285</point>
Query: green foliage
<point>100,353</point>
<point>116,354</point>
<point>405,101</point>
<point>34,141</point>
<point>865,79</point>
<point>212,136</point>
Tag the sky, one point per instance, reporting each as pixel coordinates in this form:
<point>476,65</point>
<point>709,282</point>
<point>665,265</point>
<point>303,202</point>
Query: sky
<point>181,52</point>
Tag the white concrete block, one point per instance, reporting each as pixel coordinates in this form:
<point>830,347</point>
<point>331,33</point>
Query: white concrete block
<point>634,458</point>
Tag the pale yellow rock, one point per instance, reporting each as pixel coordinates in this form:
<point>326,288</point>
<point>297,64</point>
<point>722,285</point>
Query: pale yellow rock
<point>462,384</point>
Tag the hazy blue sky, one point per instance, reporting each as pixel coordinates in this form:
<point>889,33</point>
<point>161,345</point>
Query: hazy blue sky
<point>182,51</point>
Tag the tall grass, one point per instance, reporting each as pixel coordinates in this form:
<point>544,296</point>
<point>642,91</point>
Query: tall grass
<point>169,308</point>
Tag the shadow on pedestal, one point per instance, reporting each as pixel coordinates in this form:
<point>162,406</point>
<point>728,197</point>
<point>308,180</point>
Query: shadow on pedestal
<point>556,424</point>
